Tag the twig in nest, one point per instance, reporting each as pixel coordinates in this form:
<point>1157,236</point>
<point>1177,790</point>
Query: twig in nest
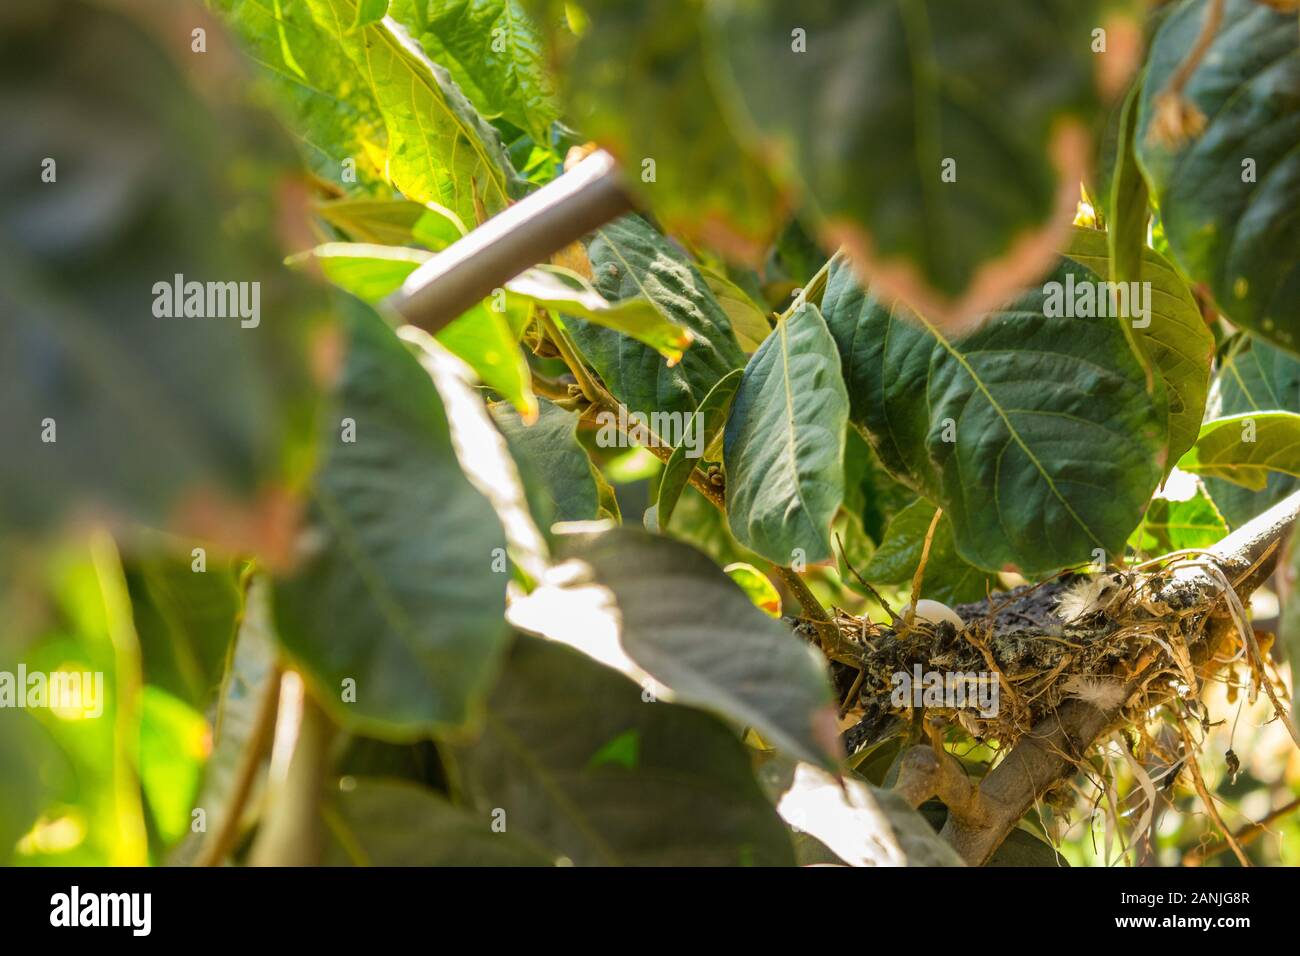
<point>920,569</point>
<point>893,617</point>
<point>1205,796</point>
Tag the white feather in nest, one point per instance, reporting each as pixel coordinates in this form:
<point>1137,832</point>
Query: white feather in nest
<point>1102,692</point>
<point>1085,596</point>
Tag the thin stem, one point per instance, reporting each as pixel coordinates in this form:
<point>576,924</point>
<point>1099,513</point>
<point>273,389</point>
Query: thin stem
<point>1206,798</point>
<point>1244,837</point>
<point>590,389</point>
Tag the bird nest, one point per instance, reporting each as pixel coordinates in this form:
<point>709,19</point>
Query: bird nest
<point>1128,642</point>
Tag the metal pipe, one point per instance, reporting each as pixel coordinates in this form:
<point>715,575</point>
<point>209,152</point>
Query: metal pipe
<point>518,238</point>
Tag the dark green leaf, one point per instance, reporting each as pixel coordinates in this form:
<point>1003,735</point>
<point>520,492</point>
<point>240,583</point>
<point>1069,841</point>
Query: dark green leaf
<point>1229,196</point>
<point>187,421</point>
<point>870,100</point>
<point>947,577</point>
<point>705,643</point>
<point>378,822</point>
<point>394,589</point>
<point>1035,435</point>
<point>629,259</point>
<point>705,426</point>
<point>554,466</point>
<point>785,442</point>
<point>1175,339</point>
<point>690,798</point>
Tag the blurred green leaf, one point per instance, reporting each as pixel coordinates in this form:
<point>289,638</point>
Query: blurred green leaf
<point>872,103</point>
<point>322,99</point>
<point>186,621</point>
<point>394,589</point>
<point>691,798</point>
<point>1229,194</point>
<point>378,822</point>
<point>113,403</point>
<point>635,62</point>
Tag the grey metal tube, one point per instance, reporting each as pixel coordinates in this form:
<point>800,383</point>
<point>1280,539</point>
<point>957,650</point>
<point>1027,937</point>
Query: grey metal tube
<point>518,238</point>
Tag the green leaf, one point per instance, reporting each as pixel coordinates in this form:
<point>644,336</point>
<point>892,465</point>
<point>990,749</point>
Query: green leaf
<point>569,293</point>
<point>1128,205</point>
<point>948,578</point>
<point>1177,342</point>
<point>394,588</point>
<point>494,54</point>
<point>393,222</point>
<point>484,340</point>
<point>482,337</point>
<point>757,586</point>
<point>704,427</point>
<point>861,824</point>
<point>173,745</point>
<point>748,320</point>
<point>870,100</point>
<point>555,468</point>
<point>708,646</point>
<point>243,695</point>
<point>690,799</point>
<point>1172,525</point>
<point>185,620</point>
<point>439,149</point>
<point>368,271</point>
<point>785,443</point>
<point>1035,435</point>
<point>323,101</point>
<point>1245,448</point>
<point>1253,376</point>
<point>114,404</point>
<point>629,259</point>
<point>370,11</point>
<point>643,82</point>
<point>1229,197</point>
<point>1021,848</point>
<point>379,822</point>
<point>29,762</point>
